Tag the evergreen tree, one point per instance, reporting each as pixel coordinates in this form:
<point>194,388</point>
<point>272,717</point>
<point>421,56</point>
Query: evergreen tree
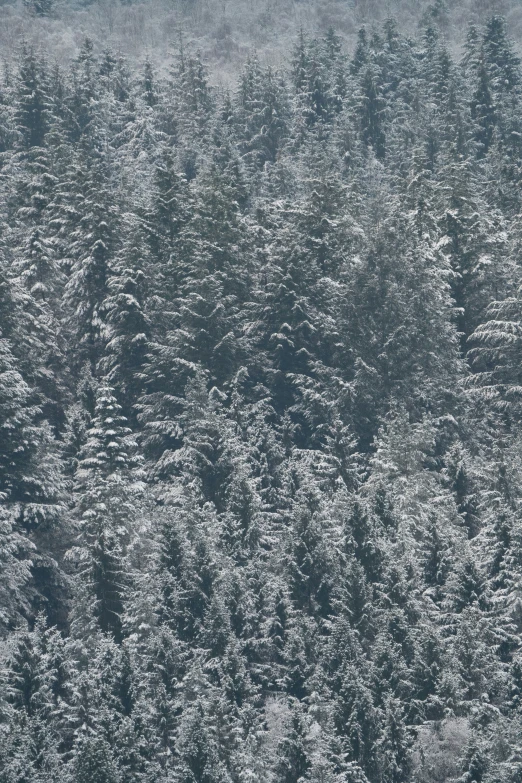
<point>91,253</point>
<point>127,335</point>
<point>261,115</point>
<point>32,109</point>
<point>105,513</point>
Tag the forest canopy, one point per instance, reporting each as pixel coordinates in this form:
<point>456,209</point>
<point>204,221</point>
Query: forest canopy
<point>260,392</point>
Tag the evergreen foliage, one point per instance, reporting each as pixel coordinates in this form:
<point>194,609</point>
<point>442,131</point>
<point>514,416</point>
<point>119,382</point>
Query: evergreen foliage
<point>260,407</point>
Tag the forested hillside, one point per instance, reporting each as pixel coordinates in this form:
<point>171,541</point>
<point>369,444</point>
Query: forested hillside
<point>260,407</point>
<point>226,32</point>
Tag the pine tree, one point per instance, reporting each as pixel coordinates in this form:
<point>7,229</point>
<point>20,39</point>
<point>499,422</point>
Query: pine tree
<point>494,353</point>
<point>127,336</point>
<point>29,473</point>
<point>370,107</point>
<point>91,251</point>
<point>104,510</point>
<point>311,569</point>
<point>217,273</point>
<point>167,216</point>
<point>311,82</point>
<point>148,84</point>
<point>483,111</point>
<point>32,109</point>
<point>260,117</point>
<point>81,120</point>
<point>502,62</point>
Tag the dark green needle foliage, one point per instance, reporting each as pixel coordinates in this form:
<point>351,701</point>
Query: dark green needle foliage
<point>260,393</point>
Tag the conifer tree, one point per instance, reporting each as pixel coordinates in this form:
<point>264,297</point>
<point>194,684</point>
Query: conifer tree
<point>32,106</point>
<point>127,336</point>
<point>92,246</point>
<point>104,514</point>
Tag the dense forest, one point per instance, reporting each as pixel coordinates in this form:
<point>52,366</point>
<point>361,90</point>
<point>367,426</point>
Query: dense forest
<point>226,32</point>
<point>260,407</point>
